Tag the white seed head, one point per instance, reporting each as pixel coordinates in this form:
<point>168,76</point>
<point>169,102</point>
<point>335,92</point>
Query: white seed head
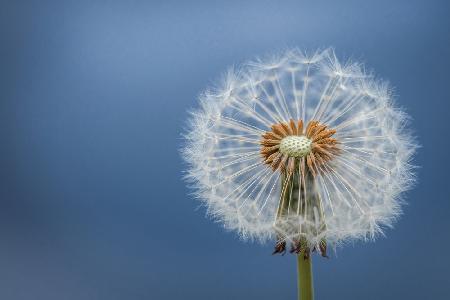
<point>295,146</point>
<point>353,196</point>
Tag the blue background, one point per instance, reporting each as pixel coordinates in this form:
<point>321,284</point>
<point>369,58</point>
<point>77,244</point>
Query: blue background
<point>94,96</point>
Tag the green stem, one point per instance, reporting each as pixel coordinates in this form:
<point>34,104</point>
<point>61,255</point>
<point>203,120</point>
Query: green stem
<point>305,279</point>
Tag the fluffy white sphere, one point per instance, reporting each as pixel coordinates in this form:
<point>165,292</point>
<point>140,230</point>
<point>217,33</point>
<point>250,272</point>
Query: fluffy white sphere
<point>359,190</point>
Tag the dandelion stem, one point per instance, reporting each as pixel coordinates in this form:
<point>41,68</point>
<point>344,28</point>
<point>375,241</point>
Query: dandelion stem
<point>305,279</point>
<point>290,201</point>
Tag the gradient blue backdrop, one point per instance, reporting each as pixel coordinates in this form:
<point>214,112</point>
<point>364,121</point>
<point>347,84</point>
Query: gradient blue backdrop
<point>93,100</point>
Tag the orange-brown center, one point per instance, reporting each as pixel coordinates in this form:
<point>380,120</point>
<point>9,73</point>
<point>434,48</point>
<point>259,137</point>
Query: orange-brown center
<point>289,143</point>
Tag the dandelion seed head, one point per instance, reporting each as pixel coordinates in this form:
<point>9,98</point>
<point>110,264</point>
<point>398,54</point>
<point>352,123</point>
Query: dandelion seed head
<point>300,148</point>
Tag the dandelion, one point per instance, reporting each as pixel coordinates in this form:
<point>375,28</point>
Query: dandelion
<point>301,150</point>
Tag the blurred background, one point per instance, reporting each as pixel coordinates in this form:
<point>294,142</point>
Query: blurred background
<point>93,99</point>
